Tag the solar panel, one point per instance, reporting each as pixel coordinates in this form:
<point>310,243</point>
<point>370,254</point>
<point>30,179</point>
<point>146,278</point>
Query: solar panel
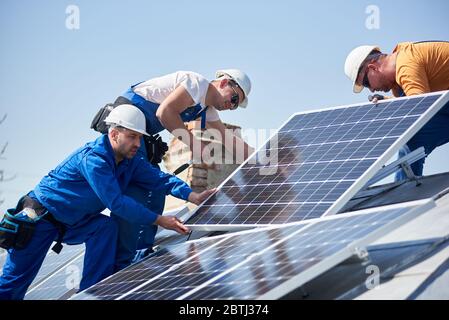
<point>138,274</point>
<point>323,158</point>
<point>53,263</point>
<point>60,284</point>
<point>262,263</point>
<point>3,254</point>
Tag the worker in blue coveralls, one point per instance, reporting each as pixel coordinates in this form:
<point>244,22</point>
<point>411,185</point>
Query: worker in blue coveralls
<point>167,102</point>
<point>66,205</point>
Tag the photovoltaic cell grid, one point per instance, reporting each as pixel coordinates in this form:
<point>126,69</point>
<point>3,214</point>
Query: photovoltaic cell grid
<point>56,273</point>
<point>135,275</point>
<point>200,261</point>
<point>320,155</point>
<point>253,264</point>
<point>54,261</point>
<point>296,255</point>
<point>60,284</point>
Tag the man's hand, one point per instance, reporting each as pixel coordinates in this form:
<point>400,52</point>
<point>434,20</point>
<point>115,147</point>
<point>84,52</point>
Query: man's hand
<point>375,98</point>
<point>197,198</point>
<point>172,223</point>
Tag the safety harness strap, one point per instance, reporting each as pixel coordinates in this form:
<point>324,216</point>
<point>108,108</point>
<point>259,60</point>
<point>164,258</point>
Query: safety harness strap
<point>61,232</point>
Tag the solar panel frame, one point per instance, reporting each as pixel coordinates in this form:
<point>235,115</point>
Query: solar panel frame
<point>359,183</point>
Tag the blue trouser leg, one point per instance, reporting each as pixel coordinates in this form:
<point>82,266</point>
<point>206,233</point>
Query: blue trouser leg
<point>146,237</point>
<point>434,134</point>
<point>134,236</point>
<point>22,266</point>
<point>126,243</point>
<point>156,203</point>
<point>99,233</point>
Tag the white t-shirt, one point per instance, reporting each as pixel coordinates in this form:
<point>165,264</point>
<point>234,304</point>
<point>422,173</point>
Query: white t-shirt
<point>157,89</point>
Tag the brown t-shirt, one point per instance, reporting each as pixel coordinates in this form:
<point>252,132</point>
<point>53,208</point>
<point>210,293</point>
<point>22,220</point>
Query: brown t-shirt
<point>422,67</point>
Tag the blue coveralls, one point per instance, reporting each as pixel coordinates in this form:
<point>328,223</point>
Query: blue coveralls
<point>76,193</point>
<point>433,134</point>
<point>133,236</point>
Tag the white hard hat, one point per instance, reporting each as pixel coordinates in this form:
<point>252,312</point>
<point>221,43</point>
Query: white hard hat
<point>354,62</point>
<point>241,79</point>
<point>129,117</point>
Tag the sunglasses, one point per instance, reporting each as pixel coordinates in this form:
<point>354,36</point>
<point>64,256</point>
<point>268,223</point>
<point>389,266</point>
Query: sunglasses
<point>234,98</point>
<point>365,81</point>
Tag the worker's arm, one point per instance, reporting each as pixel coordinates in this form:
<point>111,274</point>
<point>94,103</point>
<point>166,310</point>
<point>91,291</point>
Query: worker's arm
<point>150,177</point>
<point>169,112</point>
<point>98,172</point>
<point>237,144</point>
<point>173,223</point>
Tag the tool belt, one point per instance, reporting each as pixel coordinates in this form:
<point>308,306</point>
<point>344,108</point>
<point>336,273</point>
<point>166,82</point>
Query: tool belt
<point>16,233</point>
<point>155,147</point>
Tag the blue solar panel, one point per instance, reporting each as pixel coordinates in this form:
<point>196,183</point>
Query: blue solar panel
<point>43,286</point>
<point>323,159</point>
<point>62,282</point>
<point>137,274</point>
<point>255,263</point>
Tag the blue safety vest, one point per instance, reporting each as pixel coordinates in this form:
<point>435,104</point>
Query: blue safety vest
<point>149,109</point>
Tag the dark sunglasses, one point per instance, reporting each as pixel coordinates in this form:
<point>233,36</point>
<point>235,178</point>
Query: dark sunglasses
<point>365,81</point>
<point>234,98</point>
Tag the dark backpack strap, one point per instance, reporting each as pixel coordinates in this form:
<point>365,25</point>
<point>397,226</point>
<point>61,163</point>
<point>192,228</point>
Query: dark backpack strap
<point>155,148</point>
<point>61,232</point>
<point>122,100</point>
<point>203,118</point>
<point>98,123</point>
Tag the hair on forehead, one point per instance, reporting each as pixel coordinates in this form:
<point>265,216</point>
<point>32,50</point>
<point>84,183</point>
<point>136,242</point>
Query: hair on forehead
<point>374,56</point>
<point>113,126</point>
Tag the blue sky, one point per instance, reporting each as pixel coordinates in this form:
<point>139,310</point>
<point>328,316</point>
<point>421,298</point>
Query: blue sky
<point>53,79</point>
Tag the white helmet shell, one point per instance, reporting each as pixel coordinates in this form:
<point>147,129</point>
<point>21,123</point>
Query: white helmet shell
<point>354,62</point>
<point>240,78</point>
<point>129,117</point>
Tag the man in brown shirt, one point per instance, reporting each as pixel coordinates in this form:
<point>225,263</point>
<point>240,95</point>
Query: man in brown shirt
<point>411,69</point>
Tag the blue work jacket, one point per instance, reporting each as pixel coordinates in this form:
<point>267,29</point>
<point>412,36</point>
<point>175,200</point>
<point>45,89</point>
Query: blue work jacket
<point>89,181</point>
